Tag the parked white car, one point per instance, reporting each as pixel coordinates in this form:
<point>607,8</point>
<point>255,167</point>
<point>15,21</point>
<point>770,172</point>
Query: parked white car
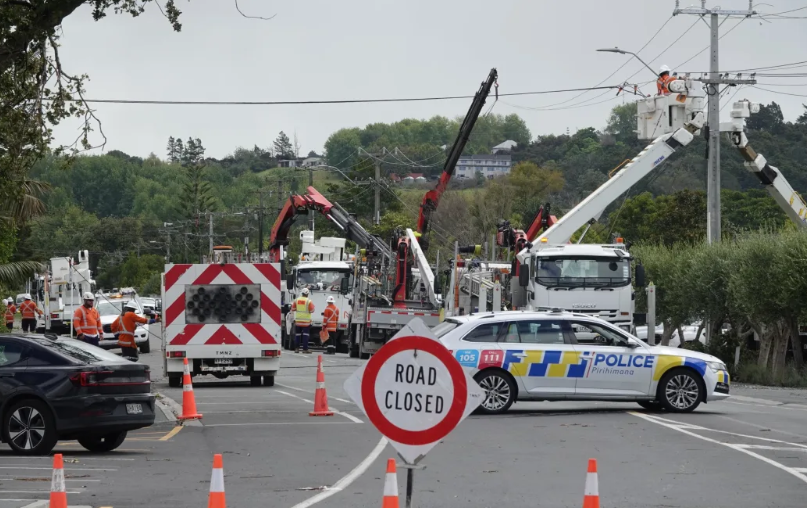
<point>109,309</point>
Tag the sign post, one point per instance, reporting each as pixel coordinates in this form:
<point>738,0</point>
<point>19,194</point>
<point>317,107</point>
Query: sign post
<point>415,393</point>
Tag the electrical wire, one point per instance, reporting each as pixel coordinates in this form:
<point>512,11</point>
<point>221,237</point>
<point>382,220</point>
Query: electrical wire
<point>779,92</point>
<point>707,47</point>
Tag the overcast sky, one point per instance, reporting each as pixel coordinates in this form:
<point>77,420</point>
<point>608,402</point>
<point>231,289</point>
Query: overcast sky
<point>348,49</point>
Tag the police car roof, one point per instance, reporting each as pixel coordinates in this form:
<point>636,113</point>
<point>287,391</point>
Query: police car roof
<point>514,314</point>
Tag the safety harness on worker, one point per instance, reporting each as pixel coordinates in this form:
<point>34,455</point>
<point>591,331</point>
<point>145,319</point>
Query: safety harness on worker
<point>125,336</point>
<point>10,311</point>
<point>85,328</point>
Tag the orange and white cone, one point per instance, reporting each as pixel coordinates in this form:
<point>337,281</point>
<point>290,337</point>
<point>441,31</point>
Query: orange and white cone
<point>58,494</point>
<point>390,486</point>
<point>188,399</point>
<point>591,496</point>
<point>216,499</point>
<point>320,395</point>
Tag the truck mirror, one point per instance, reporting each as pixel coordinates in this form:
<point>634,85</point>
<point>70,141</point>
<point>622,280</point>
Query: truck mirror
<point>438,289</point>
<point>290,282</point>
<point>639,281</point>
<point>524,275</point>
<point>344,285</point>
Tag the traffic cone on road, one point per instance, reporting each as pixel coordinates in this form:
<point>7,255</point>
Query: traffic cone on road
<point>390,486</point>
<point>216,499</point>
<point>188,399</point>
<point>320,395</point>
<point>58,494</point>
<point>591,496</point>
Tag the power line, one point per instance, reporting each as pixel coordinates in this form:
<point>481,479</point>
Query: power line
<point>311,102</point>
<point>780,92</point>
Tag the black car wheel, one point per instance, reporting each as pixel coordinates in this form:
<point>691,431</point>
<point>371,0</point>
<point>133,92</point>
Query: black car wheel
<point>651,405</point>
<point>145,347</point>
<point>500,392</point>
<point>28,428</point>
<point>680,391</point>
<point>102,443</point>
<point>268,380</point>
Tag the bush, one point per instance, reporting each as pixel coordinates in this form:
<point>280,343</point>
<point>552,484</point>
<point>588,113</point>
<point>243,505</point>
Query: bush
<point>752,373</point>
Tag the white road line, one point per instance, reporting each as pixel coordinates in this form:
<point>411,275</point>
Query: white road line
<point>697,427</point>
<point>36,491</point>
<point>320,422</point>
<point>349,417</point>
<point>766,447</point>
<point>247,402</point>
<point>66,457</point>
<point>51,469</point>
<point>801,469</point>
<point>38,504</point>
<point>766,406</point>
<point>349,478</point>
<point>793,471</point>
<point>312,391</point>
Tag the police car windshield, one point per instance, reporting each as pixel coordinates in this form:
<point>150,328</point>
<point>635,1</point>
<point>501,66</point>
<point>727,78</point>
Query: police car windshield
<point>312,279</point>
<point>587,272</point>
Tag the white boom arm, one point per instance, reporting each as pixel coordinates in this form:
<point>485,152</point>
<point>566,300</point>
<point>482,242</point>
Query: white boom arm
<point>773,180</point>
<point>422,264</point>
<point>657,152</point>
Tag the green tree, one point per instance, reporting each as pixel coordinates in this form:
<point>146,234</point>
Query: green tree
<point>342,148</point>
<point>283,147</point>
<point>802,120</point>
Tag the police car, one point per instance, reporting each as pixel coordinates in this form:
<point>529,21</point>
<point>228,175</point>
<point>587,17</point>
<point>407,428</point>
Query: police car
<point>525,355</point>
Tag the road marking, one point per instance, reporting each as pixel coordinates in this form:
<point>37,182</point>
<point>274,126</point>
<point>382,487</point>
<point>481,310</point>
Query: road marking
<point>320,422</point>
<point>51,469</point>
<point>36,492</point>
<point>766,406</point>
<point>349,417</point>
<point>349,478</point>
<point>171,434</point>
<point>660,421</point>
<point>696,427</point>
<point>312,391</point>
<point>766,447</point>
<point>66,457</point>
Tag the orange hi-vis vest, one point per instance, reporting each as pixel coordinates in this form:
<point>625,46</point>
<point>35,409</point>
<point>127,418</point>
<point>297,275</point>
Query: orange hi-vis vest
<point>87,321</point>
<point>125,326</point>
<point>29,310</point>
<point>330,318</point>
<point>10,311</point>
<point>303,307</point>
<point>663,84</point>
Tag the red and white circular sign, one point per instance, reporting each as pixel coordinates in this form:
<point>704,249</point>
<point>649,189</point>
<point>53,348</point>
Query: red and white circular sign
<point>414,391</point>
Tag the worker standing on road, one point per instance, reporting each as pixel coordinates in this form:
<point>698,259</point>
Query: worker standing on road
<point>87,321</point>
<point>11,309</point>
<point>664,80</point>
<point>330,317</point>
<point>302,307</point>
<point>124,329</point>
<point>29,310</point>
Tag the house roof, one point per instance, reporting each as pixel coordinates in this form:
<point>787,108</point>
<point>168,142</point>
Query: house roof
<point>487,157</point>
<point>506,145</point>
<point>416,175</point>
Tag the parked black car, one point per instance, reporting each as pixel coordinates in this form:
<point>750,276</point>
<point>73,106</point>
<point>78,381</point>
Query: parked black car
<point>52,390</point>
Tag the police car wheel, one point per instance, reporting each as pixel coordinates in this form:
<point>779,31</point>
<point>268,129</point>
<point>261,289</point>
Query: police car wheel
<point>680,391</point>
<point>500,392</point>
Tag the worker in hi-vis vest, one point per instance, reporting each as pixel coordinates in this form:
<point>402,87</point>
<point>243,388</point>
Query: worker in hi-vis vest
<point>29,310</point>
<point>303,308</point>
<point>11,309</point>
<point>330,318</point>
<point>87,321</point>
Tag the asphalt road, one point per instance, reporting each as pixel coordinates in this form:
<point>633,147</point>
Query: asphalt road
<point>748,451</point>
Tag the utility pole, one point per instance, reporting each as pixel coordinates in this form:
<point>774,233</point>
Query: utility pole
<point>377,209</point>
<point>166,225</point>
<point>311,212</point>
<point>210,235</point>
<point>713,83</point>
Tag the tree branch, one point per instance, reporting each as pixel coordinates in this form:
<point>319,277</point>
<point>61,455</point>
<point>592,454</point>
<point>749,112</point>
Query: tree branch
<point>250,17</point>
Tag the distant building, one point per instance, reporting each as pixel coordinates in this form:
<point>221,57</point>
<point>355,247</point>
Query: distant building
<point>490,166</point>
<point>312,161</point>
<point>507,146</point>
<point>291,163</point>
<point>414,177</point>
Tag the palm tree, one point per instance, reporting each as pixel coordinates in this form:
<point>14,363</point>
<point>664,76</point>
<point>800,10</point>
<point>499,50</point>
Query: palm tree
<point>24,206</point>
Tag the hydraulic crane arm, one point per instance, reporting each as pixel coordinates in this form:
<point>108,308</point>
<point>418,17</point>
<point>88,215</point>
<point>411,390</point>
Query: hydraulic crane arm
<point>773,180</point>
<point>300,205</point>
<point>543,221</point>
<point>654,154</point>
<point>432,198</point>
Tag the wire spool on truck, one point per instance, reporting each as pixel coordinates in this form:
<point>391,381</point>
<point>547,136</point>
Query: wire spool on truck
<point>224,318</point>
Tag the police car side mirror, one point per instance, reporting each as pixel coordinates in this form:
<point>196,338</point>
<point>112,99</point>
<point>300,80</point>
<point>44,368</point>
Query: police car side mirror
<point>631,344</point>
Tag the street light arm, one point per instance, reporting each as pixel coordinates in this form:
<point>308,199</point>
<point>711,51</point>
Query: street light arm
<point>623,52</point>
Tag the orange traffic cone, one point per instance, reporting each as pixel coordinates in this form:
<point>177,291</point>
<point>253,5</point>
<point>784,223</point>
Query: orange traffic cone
<point>188,399</point>
<point>320,396</point>
<point>58,495</point>
<point>390,486</point>
<point>591,496</point>
<point>216,499</point>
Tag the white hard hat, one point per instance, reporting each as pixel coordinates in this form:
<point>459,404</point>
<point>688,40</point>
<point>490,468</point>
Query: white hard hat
<point>330,299</point>
<point>130,305</point>
<point>663,69</point>
<point>27,296</point>
<point>304,292</point>
<point>89,296</point>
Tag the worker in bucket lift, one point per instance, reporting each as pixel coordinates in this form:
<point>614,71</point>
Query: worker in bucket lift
<point>330,318</point>
<point>664,80</point>
<point>87,321</point>
<point>302,308</point>
<point>11,309</point>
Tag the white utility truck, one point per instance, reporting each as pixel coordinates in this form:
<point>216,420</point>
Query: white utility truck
<point>223,317</point>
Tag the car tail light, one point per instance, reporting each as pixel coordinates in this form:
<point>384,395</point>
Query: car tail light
<point>175,354</point>
<point>272,353</point>
<point>95,378</point>
<point>54,315</point>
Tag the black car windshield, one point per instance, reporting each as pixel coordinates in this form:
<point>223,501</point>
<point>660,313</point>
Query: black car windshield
<point>70,351</point>
<point>582,272</point>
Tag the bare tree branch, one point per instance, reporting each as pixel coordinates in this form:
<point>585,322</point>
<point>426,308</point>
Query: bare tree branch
<point>250,17</point>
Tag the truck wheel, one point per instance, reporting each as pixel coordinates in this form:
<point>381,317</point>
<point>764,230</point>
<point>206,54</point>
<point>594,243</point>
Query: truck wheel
<point>255,380</point>
<point>174,381</point>
<point>268,380</point>
<point>145,347</point>
<point>284,337</point>
<point>365,356</point>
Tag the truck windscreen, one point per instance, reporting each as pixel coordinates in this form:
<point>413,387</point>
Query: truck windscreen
<point>582,272</point>
<point>316,279</point>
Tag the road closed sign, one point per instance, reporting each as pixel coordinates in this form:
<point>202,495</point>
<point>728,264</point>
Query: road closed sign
<point>414,391</point>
